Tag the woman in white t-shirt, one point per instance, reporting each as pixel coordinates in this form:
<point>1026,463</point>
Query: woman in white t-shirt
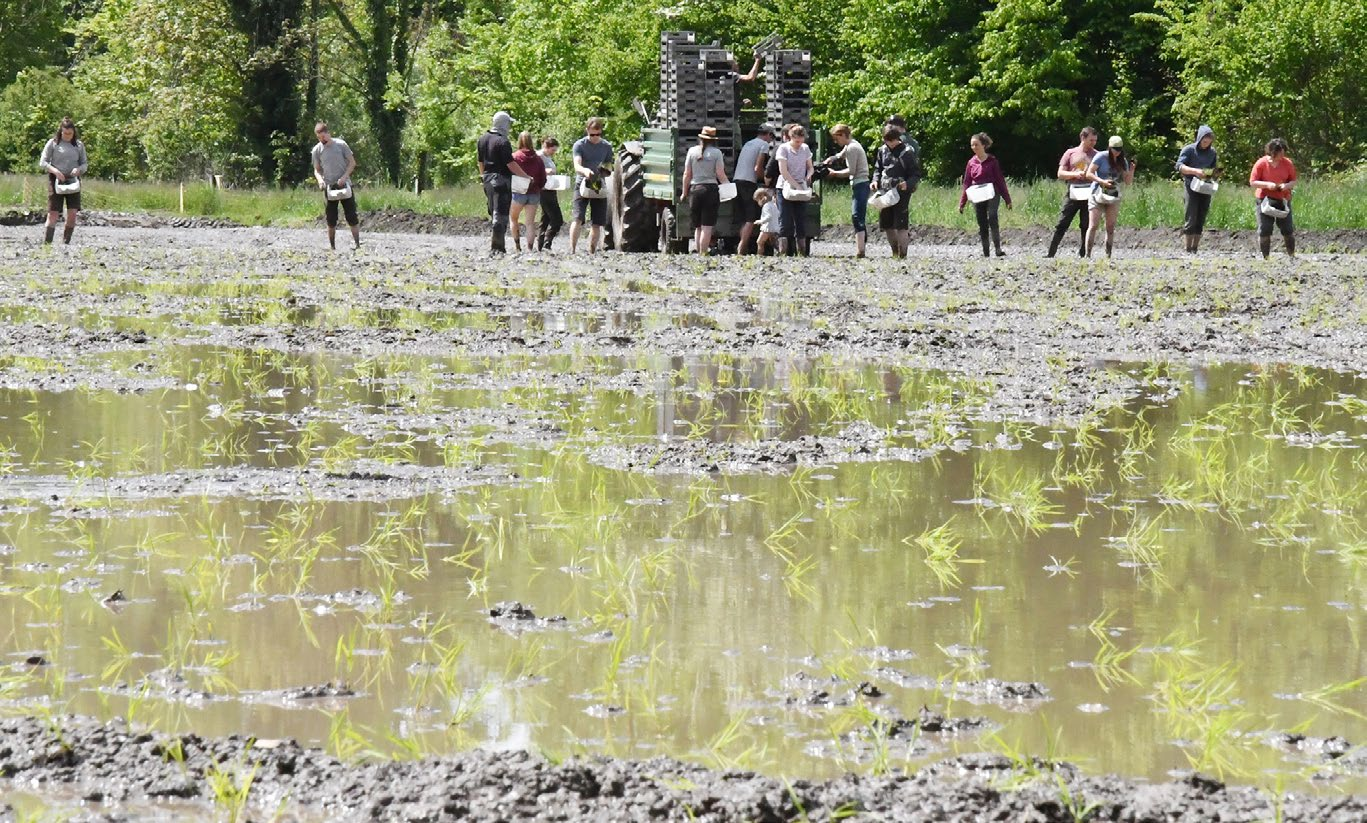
<point>795,169</point>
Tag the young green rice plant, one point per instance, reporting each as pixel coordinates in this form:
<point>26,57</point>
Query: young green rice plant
<point>941,546</point>
<point>1022,497</point>
<point>729,749</point>
<point>1109,662</point>
<point>1199,703</point>
<point>1329,697</point>
<point>230,787</point>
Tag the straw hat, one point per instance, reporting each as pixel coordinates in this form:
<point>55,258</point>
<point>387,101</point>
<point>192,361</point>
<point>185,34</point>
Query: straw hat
<point>1116,142</point>
<point>707,133</point>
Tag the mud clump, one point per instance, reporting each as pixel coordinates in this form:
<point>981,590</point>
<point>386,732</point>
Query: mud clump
<point>74,754</point>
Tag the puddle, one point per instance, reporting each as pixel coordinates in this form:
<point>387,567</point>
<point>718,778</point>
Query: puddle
<point>1188,566</point>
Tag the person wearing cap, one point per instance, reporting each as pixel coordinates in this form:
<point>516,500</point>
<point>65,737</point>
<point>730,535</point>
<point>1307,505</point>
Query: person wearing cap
<point>592,156</point>
<point>1272,178</point>
<point>496,171</point>
<point>1198,162</point>
<point>704,172</point>
<point>64,159</point>
<point>856,169</point>
<point>795,169</point>
<point>983,168</point>
<point>749,173</point>
<point>333,164</point>
<point>1072,170</point>
<point>889,173</point>
<point>1108,170</point>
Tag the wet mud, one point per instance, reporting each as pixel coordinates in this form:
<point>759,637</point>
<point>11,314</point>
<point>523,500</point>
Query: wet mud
<point>105,765</point>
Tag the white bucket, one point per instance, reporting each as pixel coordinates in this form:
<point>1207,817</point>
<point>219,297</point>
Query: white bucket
<point>558,182</point>
<point>71,186</point>
<point>727,191</point>
<point>340,194</point>
<point>521,185</point>
<point>1203,186</point>
<point>1102,197</point>
<point>886,200</point>
<point>982,192</point>
<point>1080,191</point>
<point>1270,210</point>
<point>797,195</point>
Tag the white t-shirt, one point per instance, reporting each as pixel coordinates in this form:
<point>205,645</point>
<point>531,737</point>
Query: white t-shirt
<point>749,153</point>
<point>797,163</point>
<point>768,217</point>
<point>706,163</point>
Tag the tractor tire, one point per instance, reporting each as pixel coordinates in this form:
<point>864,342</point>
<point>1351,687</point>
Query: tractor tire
<point>667,241</point>
<point>633,216</point>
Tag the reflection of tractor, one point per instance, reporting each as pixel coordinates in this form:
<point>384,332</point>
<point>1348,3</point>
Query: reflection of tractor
<point>698,88</point>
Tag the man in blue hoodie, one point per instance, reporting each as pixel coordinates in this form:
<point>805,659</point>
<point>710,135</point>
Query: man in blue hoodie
<point>1197,166</point>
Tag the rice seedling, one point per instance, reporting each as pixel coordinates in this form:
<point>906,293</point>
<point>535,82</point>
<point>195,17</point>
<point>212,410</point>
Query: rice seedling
<point>230,787</point>
<point>941,546</point>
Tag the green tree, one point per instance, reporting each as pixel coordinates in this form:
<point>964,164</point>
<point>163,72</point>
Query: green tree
<point>164,81</point>
<point>30,109</point>
<point>1255,69</point>
<point>379,35</point>
<point>271,85</point>
<point>30,35</point>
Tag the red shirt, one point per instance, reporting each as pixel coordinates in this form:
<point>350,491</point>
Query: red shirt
<point>1264,171</point>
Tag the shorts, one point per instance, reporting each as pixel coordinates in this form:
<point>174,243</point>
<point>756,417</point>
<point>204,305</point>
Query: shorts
<point>704,201</point>
<point>895,218</point>
<point>527,199</point>
<point>597,209</point>
<point>348,205</point>
<point>1267,221</point>
<point>61,202</point>
<point>747,209</point>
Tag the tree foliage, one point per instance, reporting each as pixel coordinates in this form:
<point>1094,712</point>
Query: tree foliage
<point>179,87</point>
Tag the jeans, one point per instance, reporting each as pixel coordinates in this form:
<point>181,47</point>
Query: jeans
<point>1285,225</point>
<point>986,212</point>
<point>551,219</point>
<point>498,191</point>
<point>859,205</point>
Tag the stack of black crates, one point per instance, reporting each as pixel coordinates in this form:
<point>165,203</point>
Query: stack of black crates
<point>788,87</point>
<point>697,89</point>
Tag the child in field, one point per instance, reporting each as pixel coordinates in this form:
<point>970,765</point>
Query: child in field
<point>767,224</point>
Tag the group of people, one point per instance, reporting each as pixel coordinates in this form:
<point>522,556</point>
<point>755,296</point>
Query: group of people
<point>519,183</point>
<point>1094,181</point>
<point>773,181</point>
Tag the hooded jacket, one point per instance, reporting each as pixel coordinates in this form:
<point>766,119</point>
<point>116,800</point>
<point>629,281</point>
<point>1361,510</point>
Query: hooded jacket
<point>1194,156</point>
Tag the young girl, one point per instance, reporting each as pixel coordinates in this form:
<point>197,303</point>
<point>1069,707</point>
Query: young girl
<point>768,223</point>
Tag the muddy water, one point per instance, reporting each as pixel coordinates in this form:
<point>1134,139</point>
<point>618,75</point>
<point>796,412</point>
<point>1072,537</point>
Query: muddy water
<point>1164,586</point>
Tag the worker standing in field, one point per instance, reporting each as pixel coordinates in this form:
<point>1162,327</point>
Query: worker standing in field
<point>985,184</point>
<point>748,176</point>
<point>890,173</point>
<point>1072,170</point>
<point>856,170</point>
<point>704,173</point>
<point>65,161</point>
<point>551,216</point>
<point>1273,177</point>
<point>592,157</point>
<point>333,165</point>
<point>496,171</point>
<point>1108,170</point>
<point>1198,165</point>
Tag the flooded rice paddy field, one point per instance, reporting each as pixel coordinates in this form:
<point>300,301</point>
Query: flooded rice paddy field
<point>803,518</point>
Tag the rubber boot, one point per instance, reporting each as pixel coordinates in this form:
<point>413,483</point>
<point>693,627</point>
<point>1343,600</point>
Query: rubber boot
<point>48,233</point>
<point>1082,250</point>
<point>903,243</point>
<point>66,234</point>
<point>1195,243</point>
<point>1186,243</point>
<point>1108,247</point>
<point>982,235</point>
<point>1265,246</point>
<point>1290,241</point>
<point>497,244</point>
<point>332,239</point>
<point>860,239</point>
<point>1053,244</point>
<point>997,242</point>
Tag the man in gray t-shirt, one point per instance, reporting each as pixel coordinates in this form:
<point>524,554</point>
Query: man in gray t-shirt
<point>592,158</point>
<point>333,164</point>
